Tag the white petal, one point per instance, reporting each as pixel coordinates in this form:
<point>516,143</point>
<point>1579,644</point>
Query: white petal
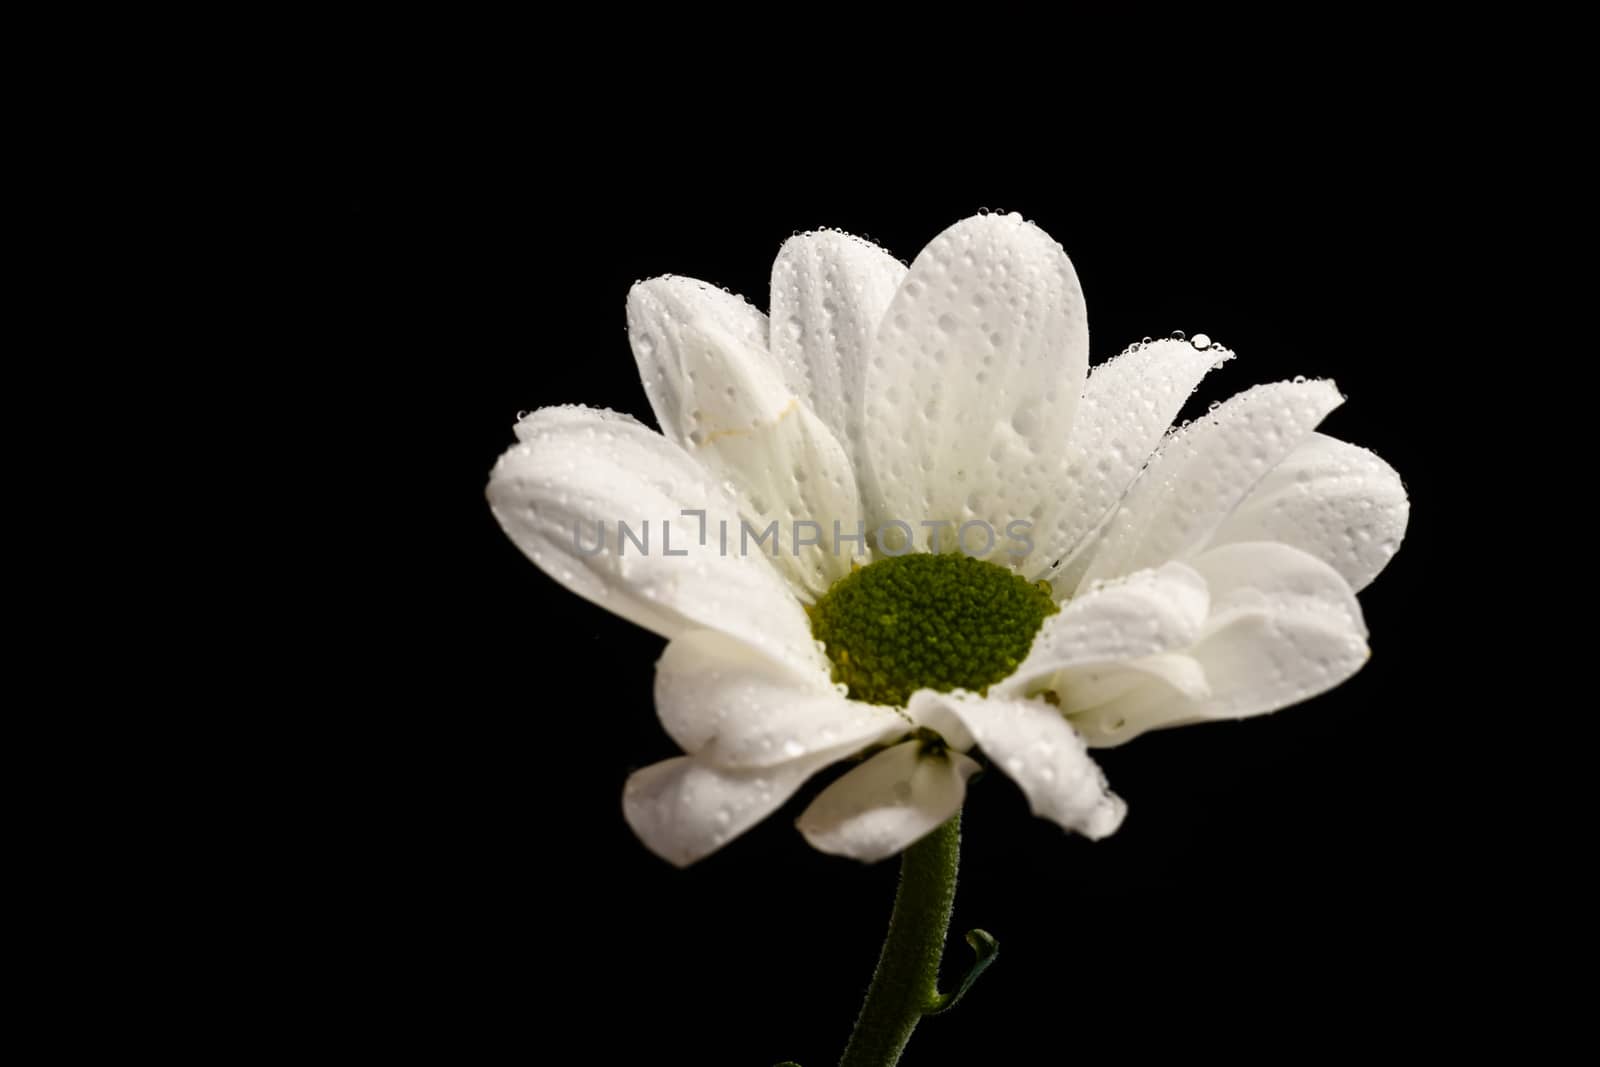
<point>1272,577</point>
<point>1129,403</point>
<point>733,707</point>
<point>1336,501</point>
<point>829,292</point>
<point>1204,471</point>
<point>1085,688</point>
<point>1065,579</point>
<point>975,373</point>
<point>1144,614</point>
<point>658,312</point>
<point>1260,662</point>
<point>685,810</point>
<point>719,394</point>
<point>1284,626</point>
<point>1145,702</point>
<point>1031,742</point>
<point>578,467</point>
<point>889,802</point>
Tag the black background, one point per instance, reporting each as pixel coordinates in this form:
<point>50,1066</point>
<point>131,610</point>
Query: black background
<point>1291,882</point>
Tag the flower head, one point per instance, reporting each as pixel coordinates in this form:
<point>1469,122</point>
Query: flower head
<point>902,518</point>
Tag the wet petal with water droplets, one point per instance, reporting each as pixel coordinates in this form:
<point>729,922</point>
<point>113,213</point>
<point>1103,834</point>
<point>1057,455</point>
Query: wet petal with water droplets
<point>889,802</point>
<point>1144,614</point>
<point>1129,402</point>
<point>732,707</point>
<point>1204,470</point>
<point>1269,576</point>
<point>685,810</point>
<point>829,292</point>
<point>579,471</point>
<point>1334,500</point>
<point>1082,688</point>
<point>659,311</point>
<point>720,395</point>
<point>1033,744</point>
<point>1283,627</point>
<point>975,373</point>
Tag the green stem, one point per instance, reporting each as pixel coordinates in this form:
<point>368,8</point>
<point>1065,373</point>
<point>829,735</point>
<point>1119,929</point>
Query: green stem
<point>906,984</point>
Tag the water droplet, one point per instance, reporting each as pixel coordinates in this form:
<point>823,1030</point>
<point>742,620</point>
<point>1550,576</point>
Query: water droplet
<point>1178,335</point>
<point>1200,341</point>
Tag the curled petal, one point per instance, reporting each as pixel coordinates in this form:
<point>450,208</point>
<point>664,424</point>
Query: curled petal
<point>1283,627</point>
<point>1034,745</point>
<point>684,810</point>
<point>888,803</point>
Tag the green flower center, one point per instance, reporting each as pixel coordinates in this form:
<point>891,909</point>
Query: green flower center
<point>923,621</point>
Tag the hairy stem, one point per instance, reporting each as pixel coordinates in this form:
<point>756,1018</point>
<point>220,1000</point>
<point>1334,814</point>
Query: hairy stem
<point>906,984</point>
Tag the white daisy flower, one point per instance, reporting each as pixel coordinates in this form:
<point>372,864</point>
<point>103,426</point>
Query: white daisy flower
<point>902,517</point>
